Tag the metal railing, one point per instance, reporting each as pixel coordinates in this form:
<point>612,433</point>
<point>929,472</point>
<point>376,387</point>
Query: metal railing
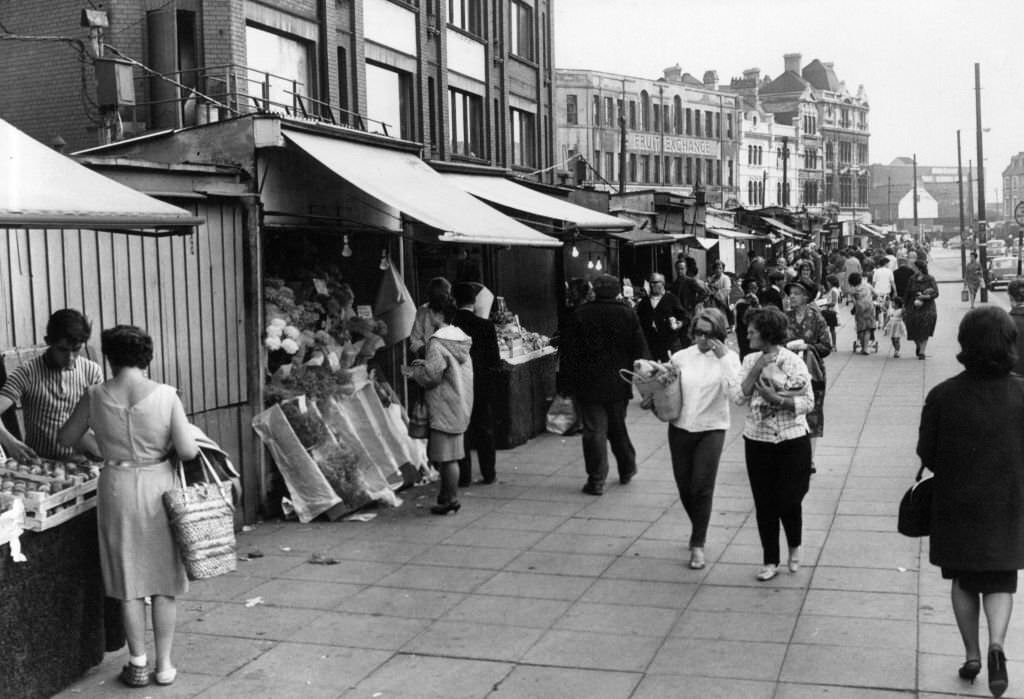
<point>214,93</point>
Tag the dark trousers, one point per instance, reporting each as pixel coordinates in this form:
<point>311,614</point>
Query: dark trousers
<point>479,436</point>
<point>604,424</point>
<point>780,475</point>
<point>695,457</point>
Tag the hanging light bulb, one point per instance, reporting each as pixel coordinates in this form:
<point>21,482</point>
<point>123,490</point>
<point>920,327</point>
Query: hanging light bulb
<point>575,251</point>
<point>346,249</point>
<point>590,262</point>
<point>384,262</point>
<point>599,266</point>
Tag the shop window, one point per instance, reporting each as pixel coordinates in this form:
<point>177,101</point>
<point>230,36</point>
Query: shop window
<point>521,25</point>
<point>524,138</point>
<point>466,15</point>
<point>467,123</point>
<point>571,109</point>
<point>389,101</point>
<point>280,69</point>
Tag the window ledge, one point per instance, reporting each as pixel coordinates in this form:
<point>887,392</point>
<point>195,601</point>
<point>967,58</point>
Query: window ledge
<point>468,34</point>
<point>476,160</point>
<point>522,59</point>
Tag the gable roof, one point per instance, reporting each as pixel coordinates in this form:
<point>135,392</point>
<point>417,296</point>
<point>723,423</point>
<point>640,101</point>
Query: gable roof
<point>787,82</point>
<point>821,76</point>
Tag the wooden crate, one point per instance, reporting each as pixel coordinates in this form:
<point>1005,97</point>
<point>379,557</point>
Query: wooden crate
<point>44,512</point>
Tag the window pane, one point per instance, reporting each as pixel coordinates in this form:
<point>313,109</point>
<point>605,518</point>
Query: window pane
<point>285,59</point>
<point>383,99</point>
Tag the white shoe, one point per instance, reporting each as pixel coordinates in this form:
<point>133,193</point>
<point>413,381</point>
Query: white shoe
<point>767,573</point>
<point>697,558</point>
<point>794,559</point>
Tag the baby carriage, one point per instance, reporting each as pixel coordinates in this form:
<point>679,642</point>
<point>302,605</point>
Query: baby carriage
<point>881,309</point>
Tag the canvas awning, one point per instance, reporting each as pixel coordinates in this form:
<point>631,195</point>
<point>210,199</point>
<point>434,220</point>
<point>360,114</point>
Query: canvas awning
<point>40,188</point>
<point>402,180</point>
<point>782,228</point>
<point>504,192</point>
<point>871,230</point>
<point>706,243</point>
<point>733,233</point>
<point>639,237</point>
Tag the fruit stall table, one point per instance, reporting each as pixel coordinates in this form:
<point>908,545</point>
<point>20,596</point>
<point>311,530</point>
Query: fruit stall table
<point>56,621</point>
<point>524,388</point>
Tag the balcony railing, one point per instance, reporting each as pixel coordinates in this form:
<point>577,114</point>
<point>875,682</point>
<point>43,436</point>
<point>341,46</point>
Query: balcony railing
<point>214,93</point>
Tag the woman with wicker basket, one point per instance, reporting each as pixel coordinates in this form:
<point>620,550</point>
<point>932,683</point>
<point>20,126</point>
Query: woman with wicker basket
<point>138,423</point>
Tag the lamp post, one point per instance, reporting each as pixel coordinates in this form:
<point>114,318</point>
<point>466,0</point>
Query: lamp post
<point>960,187</point>
<point>661,131</point>
<point>982,223</point>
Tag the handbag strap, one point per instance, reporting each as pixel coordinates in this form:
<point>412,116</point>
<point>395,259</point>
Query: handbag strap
<point>209,471</point>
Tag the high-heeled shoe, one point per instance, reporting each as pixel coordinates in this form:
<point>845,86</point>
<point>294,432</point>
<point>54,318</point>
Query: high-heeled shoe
<point>970,669</point>
<point>997,677</point>
<point>794,559</point>
<point>452,506</point>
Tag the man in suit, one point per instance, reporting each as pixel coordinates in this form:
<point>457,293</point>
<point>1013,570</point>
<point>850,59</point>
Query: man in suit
<point>661,316</point>
<point>486,361</point>
<point>601,338</point>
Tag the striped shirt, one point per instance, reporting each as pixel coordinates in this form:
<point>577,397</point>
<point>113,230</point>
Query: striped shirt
<point>47,397</point>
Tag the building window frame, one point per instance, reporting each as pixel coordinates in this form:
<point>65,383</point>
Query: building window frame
<point>572,109</point>
<point>466,15</point>
<point>521,29</point>
<point>524,138</point>
<point>466,123</point>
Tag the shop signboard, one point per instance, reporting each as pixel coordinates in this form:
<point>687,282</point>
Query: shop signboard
<point>674,145</point>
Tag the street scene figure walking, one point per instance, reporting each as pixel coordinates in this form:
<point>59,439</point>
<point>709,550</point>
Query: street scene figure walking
<point>920,314</point>
<point>601,338</point>
<point>970,438</point>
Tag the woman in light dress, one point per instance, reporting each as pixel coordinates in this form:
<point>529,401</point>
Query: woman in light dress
<point>139,424</point>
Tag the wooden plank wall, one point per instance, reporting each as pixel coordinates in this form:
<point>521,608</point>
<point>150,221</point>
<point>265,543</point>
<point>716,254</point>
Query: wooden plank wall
<point>186,291</point>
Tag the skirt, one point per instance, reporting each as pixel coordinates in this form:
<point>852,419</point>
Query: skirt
<point>982,582</point>
<point>138,555</point>
<point>445,446</point>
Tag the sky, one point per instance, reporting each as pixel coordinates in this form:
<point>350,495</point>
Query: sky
<point>915,59</point>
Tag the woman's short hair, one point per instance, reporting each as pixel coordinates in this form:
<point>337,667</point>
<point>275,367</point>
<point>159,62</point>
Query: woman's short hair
<point>719,324</point>
<point>448,310</point>
<point>854,279</point>
<point>439,293</point>
<point>770,322</point>
<point>988,341</point>
<point>921,265</point>
<point>127,346</point>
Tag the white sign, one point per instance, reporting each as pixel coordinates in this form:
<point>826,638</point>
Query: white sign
<point>674,145</point>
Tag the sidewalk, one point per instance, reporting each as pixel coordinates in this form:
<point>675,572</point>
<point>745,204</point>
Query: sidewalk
<point>536,590</point>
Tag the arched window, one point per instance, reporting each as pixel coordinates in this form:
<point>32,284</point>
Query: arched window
<point>677,115</point>
<point>645,111</point>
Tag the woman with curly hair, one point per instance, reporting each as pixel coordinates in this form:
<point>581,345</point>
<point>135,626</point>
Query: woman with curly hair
<point>139,424</point>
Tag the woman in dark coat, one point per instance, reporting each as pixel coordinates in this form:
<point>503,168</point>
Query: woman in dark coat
<point>919,302</point>
<point>970,437</point>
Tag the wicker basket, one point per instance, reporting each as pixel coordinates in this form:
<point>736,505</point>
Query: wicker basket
<point>202,519</point>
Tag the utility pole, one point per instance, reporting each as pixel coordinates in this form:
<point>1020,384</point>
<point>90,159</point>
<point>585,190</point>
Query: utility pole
<point>662,175</point>
<point>982,233</point>
<point>785,171</point>
<point>622,141</point>
<point>888,198</point>
<point>960,186</point>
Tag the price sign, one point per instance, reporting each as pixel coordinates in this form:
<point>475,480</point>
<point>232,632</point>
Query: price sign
<point>1018,213</point>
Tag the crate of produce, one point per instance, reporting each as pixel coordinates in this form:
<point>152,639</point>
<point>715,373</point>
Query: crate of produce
<point>52,493</point>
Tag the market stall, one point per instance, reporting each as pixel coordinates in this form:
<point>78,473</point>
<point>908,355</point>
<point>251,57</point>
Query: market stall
<point>56,621</point>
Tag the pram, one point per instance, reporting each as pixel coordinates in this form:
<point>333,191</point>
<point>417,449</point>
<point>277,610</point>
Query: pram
<point>882,312</point>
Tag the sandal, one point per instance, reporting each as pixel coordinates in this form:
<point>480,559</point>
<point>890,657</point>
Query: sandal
<point>166,677</point>
<point>134,676</point>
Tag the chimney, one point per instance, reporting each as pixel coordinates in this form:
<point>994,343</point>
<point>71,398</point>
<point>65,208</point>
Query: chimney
<point>673,74</point>
<point>752,74</point>
<point>792,61</point>
<point>711,79</point>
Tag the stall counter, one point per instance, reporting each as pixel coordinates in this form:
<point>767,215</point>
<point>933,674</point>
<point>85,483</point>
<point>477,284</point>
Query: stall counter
<point>525,386</point>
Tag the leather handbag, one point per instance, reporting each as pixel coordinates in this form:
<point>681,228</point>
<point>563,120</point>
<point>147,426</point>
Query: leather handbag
<point>915,514</point>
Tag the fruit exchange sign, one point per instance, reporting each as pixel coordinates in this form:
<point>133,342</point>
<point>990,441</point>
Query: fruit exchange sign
<point>674,145</point>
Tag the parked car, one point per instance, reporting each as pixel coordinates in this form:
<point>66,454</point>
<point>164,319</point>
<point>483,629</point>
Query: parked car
<point>1001,270</point>
<point>995,248</point>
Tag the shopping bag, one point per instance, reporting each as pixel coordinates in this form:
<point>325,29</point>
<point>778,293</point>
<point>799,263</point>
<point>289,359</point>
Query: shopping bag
<point>915,514</point>
<point>419,419</point>
<point>659,385</point>
<point>562,417</point>
<point>965,295</point>
<point>202,519</point>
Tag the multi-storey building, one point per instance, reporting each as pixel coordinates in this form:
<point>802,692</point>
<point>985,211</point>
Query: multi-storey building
<point>828,154</point>
<point>679,131</point>
<point>891,196</point>
<point>1013,184</point>
<point>469,79</point>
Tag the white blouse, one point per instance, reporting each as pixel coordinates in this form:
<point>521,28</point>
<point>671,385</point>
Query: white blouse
<point>707,384</point>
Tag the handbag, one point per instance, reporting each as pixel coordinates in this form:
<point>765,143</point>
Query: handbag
<point>915,514</point>
<point>562,417</point>
<point>658,384</point>
<point>965,295</point>
<point>419,419</point>
<point>202,519</point>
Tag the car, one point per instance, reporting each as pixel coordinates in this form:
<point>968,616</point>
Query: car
<point>1001,270</point>
<point>995,248</point>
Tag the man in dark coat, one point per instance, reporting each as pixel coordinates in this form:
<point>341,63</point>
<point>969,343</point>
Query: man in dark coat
<point>601,338</point>
<point>661,317</point>
<point>486,361</point>
<point>901,276</point>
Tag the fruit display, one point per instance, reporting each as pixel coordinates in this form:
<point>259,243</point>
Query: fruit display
<point>47,487</point>
<point>513,340</point>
